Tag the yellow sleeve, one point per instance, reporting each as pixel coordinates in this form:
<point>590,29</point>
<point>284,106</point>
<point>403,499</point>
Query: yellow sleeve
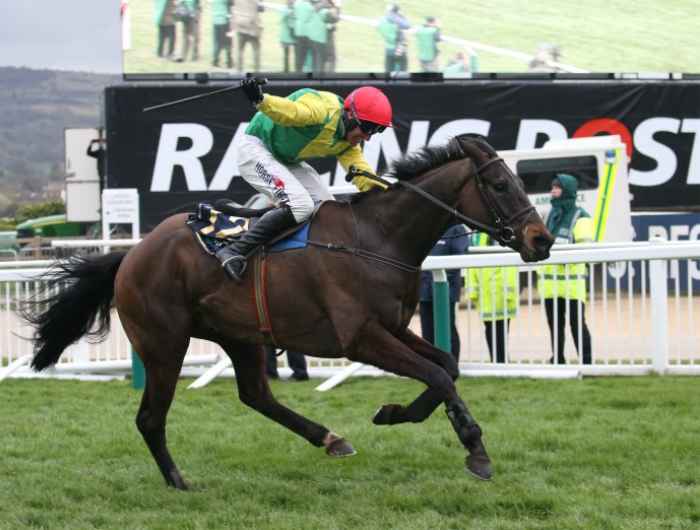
<point>304,111</point>
<point>473,289</point>
<point>354,157</point>
<point>511,275</point>
<point>583,230</point>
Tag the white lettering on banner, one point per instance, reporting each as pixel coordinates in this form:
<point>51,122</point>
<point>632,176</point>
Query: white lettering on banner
<point>167,155</point>
<point>644,142</point>
<point>657,232</point>
<point>228,168</point>
<point>530,129</point>
<point>676,232</point>
<point>693,264</point>
<point>418,135</point>
<point>693,126</point>
<point>386,144</point>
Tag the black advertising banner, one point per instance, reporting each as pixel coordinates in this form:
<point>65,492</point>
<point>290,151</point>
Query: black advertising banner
<point>187,153</point>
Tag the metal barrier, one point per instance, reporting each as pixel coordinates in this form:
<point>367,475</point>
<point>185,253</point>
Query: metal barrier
<point>641,317</point>
<point>640,310</point>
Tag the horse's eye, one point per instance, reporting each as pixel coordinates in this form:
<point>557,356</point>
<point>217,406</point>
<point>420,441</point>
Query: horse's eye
<point>499,186</point>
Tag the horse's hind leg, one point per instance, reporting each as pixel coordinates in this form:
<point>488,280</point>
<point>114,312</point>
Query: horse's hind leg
<point>254,390</point>
<point>162,356</point>
<point>426,403</point>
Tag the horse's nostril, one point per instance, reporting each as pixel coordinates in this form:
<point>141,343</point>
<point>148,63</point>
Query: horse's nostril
<point>542,242</point>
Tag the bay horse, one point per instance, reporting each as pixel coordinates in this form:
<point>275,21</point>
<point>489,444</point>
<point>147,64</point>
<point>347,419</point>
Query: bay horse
<point>350,293</point>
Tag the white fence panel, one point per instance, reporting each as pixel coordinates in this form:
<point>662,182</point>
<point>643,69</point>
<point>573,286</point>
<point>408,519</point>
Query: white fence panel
<point>638,322</point>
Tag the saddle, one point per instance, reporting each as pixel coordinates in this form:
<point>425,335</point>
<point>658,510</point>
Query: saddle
<point>237,210</point>
<point>214,229</point>
<point>217,227</point>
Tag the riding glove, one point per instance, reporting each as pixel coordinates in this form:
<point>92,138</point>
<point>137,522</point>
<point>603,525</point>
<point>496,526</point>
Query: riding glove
<point>365,181</point>
<point>252,90</point>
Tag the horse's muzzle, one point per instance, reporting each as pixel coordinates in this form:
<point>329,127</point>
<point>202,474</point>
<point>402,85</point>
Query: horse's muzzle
<point>536,242</point>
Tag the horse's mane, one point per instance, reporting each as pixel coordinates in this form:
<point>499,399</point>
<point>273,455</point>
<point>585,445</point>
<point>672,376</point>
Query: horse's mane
<point>427,158</point>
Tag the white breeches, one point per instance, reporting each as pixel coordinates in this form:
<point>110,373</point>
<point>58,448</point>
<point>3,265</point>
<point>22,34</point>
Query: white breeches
<point>298,185</point>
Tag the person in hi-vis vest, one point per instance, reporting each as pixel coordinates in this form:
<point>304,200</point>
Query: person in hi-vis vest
<point>563,287</point>
<point>494,293</point>
<point>453,242</point>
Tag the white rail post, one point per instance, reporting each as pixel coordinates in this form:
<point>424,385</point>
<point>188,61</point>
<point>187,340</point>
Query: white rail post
<point>658,288</point>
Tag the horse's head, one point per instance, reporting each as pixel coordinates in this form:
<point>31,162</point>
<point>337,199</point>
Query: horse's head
<point>503,208</point>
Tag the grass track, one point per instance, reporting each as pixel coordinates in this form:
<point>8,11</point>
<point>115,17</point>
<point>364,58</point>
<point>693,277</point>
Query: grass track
<point>618,453</point>
<point>597,35</point>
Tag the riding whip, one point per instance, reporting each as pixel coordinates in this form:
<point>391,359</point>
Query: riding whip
<point>259,80</point>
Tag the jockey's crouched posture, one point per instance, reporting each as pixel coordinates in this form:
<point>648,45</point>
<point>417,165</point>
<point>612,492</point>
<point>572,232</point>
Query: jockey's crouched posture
<point>282,134</point>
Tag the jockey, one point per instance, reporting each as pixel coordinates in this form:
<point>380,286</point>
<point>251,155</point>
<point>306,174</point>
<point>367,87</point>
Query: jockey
<point>285,132</point>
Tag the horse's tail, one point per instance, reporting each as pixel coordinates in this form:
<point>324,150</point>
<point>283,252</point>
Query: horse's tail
<point>79,293</point>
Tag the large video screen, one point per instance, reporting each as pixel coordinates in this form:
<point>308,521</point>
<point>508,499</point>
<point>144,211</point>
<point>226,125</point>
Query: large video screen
<point>454,37</point>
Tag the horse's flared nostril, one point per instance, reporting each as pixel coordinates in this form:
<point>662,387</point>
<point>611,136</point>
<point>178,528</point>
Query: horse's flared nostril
<point>542,243</point>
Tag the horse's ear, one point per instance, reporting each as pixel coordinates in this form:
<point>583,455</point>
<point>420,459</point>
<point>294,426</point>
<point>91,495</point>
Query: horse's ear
<point>474,139</point>
<point>470,136</point>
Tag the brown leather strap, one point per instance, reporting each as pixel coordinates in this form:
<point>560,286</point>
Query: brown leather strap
<point>260,289</point>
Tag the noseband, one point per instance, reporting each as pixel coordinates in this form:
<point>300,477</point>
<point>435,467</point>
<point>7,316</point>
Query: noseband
<point>502,231</point>
<point>502,228</point>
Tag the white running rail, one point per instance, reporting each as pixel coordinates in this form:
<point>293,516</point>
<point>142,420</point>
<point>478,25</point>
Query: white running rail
<point>640,309</point>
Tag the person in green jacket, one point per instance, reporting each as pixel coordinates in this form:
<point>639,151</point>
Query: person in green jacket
<point>283,134</point>
<point>248,25</point>
<point>189,13</point>
<point>494,293</point>
<point>221,20</point>
<point>391,27</point>
<point>287,37</point>
<point>332,19</point>
<point>166,27</point>
<point>318,37</point>
<point>303,13</point>
<point>459,64</point>
<point>563,287</point>
<point>427,37</point>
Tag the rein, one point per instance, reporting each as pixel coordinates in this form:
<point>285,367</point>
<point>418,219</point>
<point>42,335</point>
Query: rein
<point>502,231</point>
<point>366,254</point>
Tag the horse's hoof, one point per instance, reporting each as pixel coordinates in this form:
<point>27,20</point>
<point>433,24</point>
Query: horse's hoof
<point>384,414</point>
<point>176,481</point>
<point>338,447</point>
<point>479,466</point>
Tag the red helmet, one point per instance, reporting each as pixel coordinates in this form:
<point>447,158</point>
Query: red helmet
<point>369,104</point>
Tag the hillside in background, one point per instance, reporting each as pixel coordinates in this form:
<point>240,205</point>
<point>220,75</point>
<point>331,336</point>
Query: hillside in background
<point>35,108</point>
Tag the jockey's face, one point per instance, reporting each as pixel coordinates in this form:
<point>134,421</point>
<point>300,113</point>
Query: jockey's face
<point>355,135</point>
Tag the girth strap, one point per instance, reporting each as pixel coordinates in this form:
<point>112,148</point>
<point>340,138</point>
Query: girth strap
<point>260,294</point>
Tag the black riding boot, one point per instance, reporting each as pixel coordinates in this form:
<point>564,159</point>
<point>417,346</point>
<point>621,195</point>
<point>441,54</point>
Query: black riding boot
<point>233,257</point>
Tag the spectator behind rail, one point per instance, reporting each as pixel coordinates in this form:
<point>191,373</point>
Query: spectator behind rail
<point>563,287</point>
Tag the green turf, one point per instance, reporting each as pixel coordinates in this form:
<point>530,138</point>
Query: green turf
<point>596,35</point>
<point>613,453</point>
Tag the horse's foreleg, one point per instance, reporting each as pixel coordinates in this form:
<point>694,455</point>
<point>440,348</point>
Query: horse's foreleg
<point>398,358</point>
<point>254,391</point>
<point>426,403</point>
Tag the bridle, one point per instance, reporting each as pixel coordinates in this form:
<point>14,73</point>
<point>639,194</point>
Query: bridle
<point>501,230</point>
<point>502,227</point>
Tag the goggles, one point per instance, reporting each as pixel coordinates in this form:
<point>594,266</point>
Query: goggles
<point>370,128</point>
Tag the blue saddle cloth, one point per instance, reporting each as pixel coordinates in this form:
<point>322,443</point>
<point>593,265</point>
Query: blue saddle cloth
<point>214,230</point>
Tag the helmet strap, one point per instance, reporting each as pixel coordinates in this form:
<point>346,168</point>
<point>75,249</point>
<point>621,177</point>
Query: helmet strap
<point>349,121</point>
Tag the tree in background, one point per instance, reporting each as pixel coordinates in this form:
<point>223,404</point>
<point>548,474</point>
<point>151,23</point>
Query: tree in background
<point>39,209</point>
